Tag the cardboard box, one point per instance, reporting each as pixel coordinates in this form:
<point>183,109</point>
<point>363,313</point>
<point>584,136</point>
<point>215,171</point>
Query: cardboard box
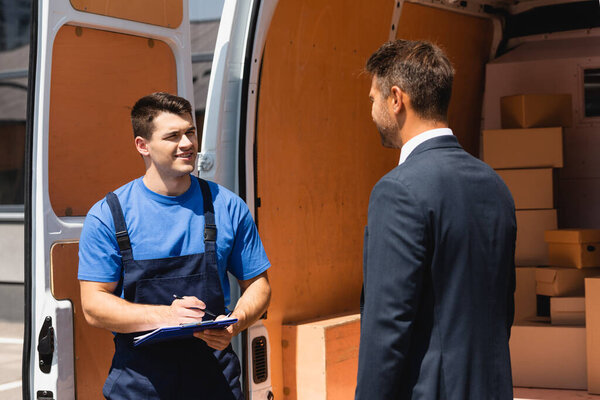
<point>531,249</point>
<point>547,356</point>
<point>536,111</point>
<point>530,188</point>
<point>566,282</point>
<point>573,247</point>
<point>525,297</point>
<point>567,310</point>
<point>592,322</point>
<point>523,148</point>
<point>320,358</point>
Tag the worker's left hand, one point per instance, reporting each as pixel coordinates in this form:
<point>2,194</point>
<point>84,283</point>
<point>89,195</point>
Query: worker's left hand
<point>218,339</point>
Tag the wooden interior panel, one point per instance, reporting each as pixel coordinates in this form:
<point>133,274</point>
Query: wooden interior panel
<point>318,157</point>
<point>168,13</point>
<point>342,358</point>
<point>467,41</point>
<point>93,347</point>
<point>96,78</point>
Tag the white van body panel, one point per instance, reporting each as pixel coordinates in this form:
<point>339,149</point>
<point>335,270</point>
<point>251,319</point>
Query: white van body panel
<point>219,159</point>
<point>47,227</point>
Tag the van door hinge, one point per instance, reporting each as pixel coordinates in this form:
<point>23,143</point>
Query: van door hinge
<point>44,395</point>
<point>46,347</point>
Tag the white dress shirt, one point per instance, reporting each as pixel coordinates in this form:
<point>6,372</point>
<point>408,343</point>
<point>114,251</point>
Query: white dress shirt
<point>420,138</point>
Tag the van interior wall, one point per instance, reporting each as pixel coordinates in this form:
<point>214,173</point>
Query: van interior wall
<point>318,152</point>
<point>553,64</point>
<point>467,41</point>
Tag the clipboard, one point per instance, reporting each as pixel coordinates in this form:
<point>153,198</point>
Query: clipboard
<point>181,331</point>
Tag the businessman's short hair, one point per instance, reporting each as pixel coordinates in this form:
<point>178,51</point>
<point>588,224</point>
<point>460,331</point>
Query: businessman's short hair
<point>418,68</point>
<point>148,107</point>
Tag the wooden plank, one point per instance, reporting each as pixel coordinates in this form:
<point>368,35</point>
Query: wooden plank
<point>321,358</point>
<point>341,352</point>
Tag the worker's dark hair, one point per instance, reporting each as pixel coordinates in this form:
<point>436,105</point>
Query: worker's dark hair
<point>418,68</point>
<point>148,107</point>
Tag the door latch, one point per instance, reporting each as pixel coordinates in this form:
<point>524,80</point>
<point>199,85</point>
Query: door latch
<point>44,395</point>
<point>46,345</point>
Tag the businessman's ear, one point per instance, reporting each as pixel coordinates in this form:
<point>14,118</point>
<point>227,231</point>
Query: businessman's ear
<point>397,100</point>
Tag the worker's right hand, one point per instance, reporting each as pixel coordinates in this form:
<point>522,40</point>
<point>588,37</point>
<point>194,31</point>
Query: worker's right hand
<point>186,310</point>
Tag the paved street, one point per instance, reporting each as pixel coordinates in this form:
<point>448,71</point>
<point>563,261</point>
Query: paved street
<point>11,344</point>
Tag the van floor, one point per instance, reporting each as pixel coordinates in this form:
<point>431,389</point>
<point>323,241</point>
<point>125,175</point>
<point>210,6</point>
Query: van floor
<point>552,394</point>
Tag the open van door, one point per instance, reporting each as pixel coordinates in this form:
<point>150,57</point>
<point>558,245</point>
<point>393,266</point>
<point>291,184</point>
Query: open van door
<point>90,61</point>
<point>228,146</point>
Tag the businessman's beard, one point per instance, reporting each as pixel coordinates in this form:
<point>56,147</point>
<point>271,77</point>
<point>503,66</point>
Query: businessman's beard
<point>388,130</point>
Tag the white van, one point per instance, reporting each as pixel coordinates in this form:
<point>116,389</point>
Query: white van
<point>288,127</point>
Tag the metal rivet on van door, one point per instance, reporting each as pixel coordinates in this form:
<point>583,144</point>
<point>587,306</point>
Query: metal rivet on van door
<point>205,162</point>
<point>591,248</point>
<point>151,43</point>
<point>78,31</point>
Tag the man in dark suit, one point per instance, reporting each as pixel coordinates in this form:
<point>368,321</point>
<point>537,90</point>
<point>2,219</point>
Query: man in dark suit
<point>439,271</point>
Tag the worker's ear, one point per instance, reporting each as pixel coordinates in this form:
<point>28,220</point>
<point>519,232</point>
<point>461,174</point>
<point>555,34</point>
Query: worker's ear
<point>396,100</point>
<point>141,145</point>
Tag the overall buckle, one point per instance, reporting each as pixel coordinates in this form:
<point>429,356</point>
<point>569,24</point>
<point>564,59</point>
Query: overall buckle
<point>123,240</point>
<point>210,233</point>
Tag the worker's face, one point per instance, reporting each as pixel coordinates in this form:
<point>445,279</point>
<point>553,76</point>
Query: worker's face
<point>383,116</point>
<point>173,146</point>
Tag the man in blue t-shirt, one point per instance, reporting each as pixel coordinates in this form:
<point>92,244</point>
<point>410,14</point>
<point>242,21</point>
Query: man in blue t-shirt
<point>157,252</point>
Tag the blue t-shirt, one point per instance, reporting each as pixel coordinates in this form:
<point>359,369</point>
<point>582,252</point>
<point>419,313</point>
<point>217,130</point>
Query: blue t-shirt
<point>170,226</point>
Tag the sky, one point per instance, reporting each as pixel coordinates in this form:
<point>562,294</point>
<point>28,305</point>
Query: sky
<point>202,10</point>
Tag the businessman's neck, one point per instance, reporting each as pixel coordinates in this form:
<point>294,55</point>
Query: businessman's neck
<point>413,126</point>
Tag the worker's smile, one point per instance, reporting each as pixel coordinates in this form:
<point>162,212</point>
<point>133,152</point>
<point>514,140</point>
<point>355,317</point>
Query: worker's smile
<point>187,156</point>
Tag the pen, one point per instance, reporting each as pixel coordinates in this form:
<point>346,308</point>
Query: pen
<point>206,311</point>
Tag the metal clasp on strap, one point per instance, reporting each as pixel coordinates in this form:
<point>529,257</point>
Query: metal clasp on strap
<point>210,233</point>
<point>123,240</point>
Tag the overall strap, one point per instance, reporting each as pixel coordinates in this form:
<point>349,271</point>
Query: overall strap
<point>120,226</point>
<point>210,228</point>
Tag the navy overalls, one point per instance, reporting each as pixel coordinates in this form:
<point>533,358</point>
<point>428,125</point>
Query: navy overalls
<point>177,369</point>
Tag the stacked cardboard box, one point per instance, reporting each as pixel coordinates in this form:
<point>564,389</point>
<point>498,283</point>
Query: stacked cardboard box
<point>525,153</point>
<point>575,253</point>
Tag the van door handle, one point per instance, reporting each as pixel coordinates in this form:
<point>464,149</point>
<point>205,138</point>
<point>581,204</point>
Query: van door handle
<point>46,345</point>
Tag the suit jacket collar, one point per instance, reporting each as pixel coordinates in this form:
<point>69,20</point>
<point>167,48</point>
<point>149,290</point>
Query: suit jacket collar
<point>446,141</point>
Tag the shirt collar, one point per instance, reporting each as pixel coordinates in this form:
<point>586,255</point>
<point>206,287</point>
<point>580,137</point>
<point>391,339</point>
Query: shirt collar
<point>420,138</point>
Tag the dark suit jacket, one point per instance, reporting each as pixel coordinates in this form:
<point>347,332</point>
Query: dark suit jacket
<point>439,280</point>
